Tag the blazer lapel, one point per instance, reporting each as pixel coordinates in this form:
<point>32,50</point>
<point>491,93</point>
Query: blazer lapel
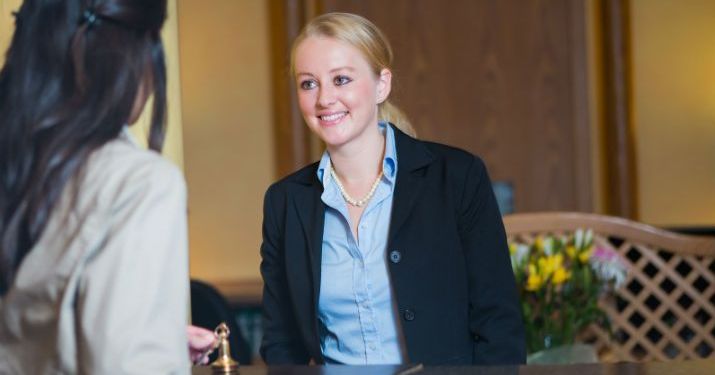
<point>311,212</point>
<point>413,158</point>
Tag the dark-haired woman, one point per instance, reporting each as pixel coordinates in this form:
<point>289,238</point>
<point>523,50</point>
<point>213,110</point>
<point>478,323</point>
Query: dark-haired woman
<point>93,249</point>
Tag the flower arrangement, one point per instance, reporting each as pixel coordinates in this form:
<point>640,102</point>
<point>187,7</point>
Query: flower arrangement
<point>560,279</point>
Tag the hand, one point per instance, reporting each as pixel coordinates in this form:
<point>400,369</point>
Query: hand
<point>201,341</point>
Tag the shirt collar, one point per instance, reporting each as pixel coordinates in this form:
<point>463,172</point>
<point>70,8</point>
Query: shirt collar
<point>126,134</point>
<point>389,163</point>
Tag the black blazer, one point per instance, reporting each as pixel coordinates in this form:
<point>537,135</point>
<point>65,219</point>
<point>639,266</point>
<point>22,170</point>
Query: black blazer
<point>448,261</point>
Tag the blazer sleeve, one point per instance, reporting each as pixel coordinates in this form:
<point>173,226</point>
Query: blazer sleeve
<point>495,314</point>
<point>133,295</point>
<point>281,342</point>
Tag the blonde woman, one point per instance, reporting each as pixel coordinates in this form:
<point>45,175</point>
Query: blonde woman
<point>389,249</point>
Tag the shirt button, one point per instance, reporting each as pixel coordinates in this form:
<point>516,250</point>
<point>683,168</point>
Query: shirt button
<point>372,347</point>
<point>409,315</point>
<point>395,256</point>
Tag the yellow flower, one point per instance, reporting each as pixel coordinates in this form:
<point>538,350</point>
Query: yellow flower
<point>558,259</point>
<point>561,275</point>
<point>549,264</point>
<point>571,251</point>
<point>534,281</point>
<point>585,255</point>
<point>512,248</point>
<point>539,243</point>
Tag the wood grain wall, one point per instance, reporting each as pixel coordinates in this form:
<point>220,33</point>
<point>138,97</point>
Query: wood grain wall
<point>504,79</point>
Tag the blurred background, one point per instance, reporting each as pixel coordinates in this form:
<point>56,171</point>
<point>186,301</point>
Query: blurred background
<point>598,106</point>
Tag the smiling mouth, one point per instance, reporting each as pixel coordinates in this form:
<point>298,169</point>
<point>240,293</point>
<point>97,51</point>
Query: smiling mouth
<point>333,116</point>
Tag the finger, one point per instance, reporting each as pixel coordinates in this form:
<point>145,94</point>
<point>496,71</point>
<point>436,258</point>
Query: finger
<point>200,339</point>
<point>191,330</point>
<point>202,343</point>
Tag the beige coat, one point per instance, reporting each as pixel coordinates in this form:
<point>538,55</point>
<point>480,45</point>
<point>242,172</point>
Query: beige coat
<point>105,290</point>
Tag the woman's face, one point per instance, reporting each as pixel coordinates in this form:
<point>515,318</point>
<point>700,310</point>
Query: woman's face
<point>338,92</point>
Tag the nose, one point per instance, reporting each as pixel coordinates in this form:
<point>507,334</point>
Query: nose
<point>326,96</point>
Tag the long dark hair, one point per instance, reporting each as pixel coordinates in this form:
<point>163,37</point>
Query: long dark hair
<point>69,84</point>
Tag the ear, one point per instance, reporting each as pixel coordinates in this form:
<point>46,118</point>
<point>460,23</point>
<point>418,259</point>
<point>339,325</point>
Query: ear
<point>384,85</point>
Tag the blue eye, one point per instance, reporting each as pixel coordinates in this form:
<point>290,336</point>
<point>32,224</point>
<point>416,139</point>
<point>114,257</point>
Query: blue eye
<point>308,84</point>
<point>342,80</point>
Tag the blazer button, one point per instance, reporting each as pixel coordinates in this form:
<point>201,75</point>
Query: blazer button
<point>395,256</point>
<point>409,315</point>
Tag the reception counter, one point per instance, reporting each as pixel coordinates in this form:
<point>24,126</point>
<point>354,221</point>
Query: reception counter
<point>695,367</point>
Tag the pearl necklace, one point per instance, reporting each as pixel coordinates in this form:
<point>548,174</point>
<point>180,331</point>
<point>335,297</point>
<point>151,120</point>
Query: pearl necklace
<point>348,198</point>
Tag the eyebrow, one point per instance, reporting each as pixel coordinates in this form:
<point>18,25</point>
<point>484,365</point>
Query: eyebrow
<point>348,68</point>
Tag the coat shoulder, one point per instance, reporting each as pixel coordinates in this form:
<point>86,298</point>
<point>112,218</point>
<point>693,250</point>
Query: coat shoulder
<point>302,177</point>
<point>453,157</point>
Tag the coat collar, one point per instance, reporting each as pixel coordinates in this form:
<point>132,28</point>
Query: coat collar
<point>412,158</point>
<point>412,155</point>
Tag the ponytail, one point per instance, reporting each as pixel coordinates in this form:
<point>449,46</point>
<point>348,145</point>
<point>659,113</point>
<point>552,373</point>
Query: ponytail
<point>392,114</point>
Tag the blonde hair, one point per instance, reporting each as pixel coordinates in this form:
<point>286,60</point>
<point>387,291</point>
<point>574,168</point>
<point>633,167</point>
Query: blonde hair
<point>369,40</point>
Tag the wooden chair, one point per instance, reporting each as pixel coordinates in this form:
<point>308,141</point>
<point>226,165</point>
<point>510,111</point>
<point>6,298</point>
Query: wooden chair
<point>208,309</point>
<point>666,308</point>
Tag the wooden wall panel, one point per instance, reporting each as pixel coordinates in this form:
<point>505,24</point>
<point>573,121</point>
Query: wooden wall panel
<point>503,79</point>
<point>618,129</point>
<point>291,136</point>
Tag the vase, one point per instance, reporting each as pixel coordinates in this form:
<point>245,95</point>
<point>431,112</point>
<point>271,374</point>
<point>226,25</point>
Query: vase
<point>564,354</point>
<point>540,339</point>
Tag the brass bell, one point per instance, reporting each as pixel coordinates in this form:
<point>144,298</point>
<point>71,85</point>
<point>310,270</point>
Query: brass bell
<point>224,364</point>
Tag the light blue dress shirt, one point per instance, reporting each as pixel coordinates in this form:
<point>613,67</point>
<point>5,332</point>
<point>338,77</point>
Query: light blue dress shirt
<point>356,309</point>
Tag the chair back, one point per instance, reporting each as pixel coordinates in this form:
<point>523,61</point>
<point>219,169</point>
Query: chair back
<point>208,309</point>
<point>666,308</point>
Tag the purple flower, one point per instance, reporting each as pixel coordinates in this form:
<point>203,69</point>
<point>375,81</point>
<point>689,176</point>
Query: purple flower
<point>609,265</point>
